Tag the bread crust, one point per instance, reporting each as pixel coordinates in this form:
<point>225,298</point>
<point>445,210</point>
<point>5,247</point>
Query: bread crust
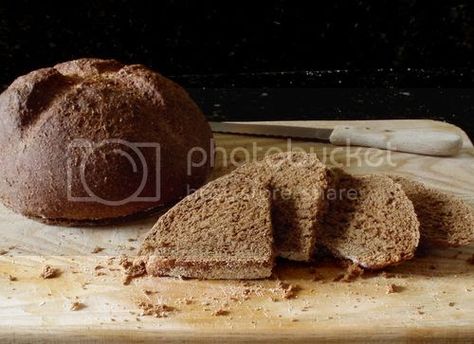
<point>209,268</point>
<point>45,111</point>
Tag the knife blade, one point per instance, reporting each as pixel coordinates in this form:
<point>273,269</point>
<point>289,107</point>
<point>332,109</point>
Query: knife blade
<point>418,141</point>
<point>271,130</point>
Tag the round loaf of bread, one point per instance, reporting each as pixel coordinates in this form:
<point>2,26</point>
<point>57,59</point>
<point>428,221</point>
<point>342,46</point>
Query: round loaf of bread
<point>92,141</point>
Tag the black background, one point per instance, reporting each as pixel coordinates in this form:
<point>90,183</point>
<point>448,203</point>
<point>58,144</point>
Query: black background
<point>311,59</point>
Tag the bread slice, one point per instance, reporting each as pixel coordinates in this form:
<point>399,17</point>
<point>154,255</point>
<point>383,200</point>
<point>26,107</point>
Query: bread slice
<point>444,219</point>
<point>222,231</point>
<point>299,182</point>
<point>371,222</point>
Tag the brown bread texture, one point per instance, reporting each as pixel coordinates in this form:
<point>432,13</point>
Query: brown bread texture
<point>45,111</point>
<point>445,220</point>
<point>371,222</point>
<point>222,231</point>
<point>299,182</point>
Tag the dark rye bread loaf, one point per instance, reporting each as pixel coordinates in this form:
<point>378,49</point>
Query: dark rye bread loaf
<point>299,182</point>
<point>444,219</point>
<point>222,231</point>
<point>371,222</point>
<point>97,101</point>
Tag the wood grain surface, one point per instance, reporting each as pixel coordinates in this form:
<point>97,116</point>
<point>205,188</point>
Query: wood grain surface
<point>433,302</point>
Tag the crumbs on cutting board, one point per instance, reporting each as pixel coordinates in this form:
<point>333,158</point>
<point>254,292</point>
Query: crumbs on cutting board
<point>4,251</point>
<point>289,291</point>
<point>301,295</point>
<point>131,269</point>
<point>97,249</point>
<point>157,310</point>
<point>352,272</point>
<point>220,312</point>
<point>77,306</point>
<point>49,272</point>
<point>393,288</point>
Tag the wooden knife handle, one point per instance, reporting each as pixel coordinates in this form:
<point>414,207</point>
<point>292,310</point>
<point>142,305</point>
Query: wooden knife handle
<point>419,141</point>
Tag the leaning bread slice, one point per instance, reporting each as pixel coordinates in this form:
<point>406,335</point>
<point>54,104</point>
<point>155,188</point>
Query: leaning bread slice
<point>371,222</point>
<point>222,231</point>
<point>444,219</point>
<point>299,182</point>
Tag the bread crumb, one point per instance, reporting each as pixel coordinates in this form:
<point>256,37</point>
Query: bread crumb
<point>188,301</point>
<point>158,311</point>
<point>97,249</point>
<point>132,271</point>
<point>77,306</point>
<point>49,272</point>
<point>124,262</point>
<point>289,290</point>
<point>392,288</point>
<point>12,278</point>
<point>149,292</point>
<point>352,272</point>
<point>220,312</point>
<point>451,304</point>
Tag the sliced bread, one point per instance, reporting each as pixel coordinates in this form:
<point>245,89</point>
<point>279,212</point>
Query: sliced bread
<point>444,219</point>
<point>370,222</point>
<point>299,182</point>
<point>222,231</point>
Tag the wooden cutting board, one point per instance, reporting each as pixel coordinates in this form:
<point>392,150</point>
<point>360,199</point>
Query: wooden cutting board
<point>434,298</point>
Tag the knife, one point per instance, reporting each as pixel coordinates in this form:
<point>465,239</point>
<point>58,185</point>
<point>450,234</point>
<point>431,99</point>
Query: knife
<point>418,141</point>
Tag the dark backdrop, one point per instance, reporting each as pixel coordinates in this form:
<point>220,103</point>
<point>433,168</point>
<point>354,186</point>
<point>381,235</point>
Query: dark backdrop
<point>324,59</point>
